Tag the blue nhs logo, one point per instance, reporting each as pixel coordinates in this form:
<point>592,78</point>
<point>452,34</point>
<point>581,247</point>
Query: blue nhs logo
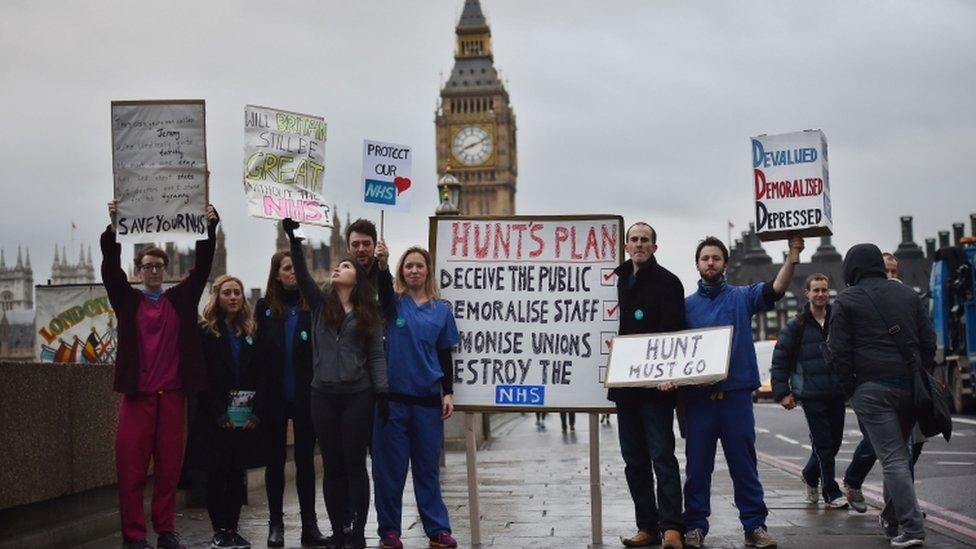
<point>520,395</point>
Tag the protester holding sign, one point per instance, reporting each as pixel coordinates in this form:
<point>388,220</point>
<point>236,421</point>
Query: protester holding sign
<point>420,332</point>
<point>284,327</point>
<point>224,437</point>
<point>651,300</point>
<point>159,360</point>
<point>349,371</point>
<point>370,253</point>
<point>800,373</point>
<point>724,410</point>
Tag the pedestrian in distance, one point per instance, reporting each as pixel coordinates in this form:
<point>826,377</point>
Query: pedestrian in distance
<point>409,430</point>
<point>348,373</point>
<point>875,324</point>
<point>724,411</point>
<point>800,374</point>
<point>225,438</point>
<point>284,328</point>
<point>567,418</point>
<point>651,300</point>
<point>159,361</point>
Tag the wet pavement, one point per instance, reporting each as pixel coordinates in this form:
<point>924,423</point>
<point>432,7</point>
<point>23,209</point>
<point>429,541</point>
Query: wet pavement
<point>535,493</point>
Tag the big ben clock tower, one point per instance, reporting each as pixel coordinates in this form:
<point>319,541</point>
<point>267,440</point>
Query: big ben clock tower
<point>475,123</point>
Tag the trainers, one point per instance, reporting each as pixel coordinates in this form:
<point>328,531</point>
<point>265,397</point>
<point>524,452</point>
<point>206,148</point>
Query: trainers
<point>760,538</point>
<point>906,540</point>
<point>238,540</point>
<point>837,503</point>
<point>856,498</point>
<point>442,540</point>
<point>391,541</point>
<point>695,538</point>
<point>222,539</point>
<point>642,539</point>
<point>890,528</point>
<point>169,540</point>
<point>811,493</point>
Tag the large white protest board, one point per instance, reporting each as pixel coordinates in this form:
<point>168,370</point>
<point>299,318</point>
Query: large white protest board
<point>688,357</point>
<point>284,165</point>
<point>791,185</point>
<point>74,323</point>
<point>535,302</point>
<point>159,163</point>
<point>386,176</point>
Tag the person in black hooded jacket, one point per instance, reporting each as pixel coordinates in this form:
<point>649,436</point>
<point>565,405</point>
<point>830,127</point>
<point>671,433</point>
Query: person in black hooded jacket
<point>872,370</point>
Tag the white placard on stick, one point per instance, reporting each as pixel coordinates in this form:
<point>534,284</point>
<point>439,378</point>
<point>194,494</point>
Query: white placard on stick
<point>535,301</point>
<point>159,163</point>
<point>386,176</point>
<point>791,185</point>
<point>284,165</point>
<point>688,357</point>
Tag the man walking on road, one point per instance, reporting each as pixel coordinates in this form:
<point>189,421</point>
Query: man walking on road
<point>868,317</point>
<point>724,411</point>
<point>651,300</point>
<point>800,373</point>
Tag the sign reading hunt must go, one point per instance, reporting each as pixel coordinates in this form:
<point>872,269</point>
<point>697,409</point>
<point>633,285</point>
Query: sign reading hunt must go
<point>535,301</point>
<point>688,357</point>
<point>159,163</point>
<point>791,185</point>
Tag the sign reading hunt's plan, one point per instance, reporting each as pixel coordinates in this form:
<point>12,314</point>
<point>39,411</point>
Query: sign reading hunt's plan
<point>284,165</point>
<point>688,357</point>
<point>159,163</point>
<point>791,185</point>
<point>535,301</point>
<point>386,176</point>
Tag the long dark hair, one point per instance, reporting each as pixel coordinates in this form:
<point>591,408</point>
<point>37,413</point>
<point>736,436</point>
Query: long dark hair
<point>364,304</point>
<point>274,290</point>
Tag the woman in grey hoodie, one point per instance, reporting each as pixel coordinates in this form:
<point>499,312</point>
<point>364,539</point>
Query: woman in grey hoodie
<point>349,372</point>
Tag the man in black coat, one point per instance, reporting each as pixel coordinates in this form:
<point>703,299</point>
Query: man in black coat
<point>799,372</point>
<point>866,357</point>
<point>651,299</point>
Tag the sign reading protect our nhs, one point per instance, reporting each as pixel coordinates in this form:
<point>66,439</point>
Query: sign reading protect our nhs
<point>386,176</point>
<point>791,185</point>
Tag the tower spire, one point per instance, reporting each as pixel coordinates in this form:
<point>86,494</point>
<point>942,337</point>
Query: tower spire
<point>27,264</point>
<point>20,262</point>
<point>3,261</point>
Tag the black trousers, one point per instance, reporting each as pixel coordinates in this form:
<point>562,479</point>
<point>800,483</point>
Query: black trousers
<point>825,418</point>
<point>304,454</point>
<point>343,426</point>
<point>225,496</point>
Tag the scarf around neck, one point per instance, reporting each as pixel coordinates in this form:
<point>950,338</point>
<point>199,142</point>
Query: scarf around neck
<point>711,291</point>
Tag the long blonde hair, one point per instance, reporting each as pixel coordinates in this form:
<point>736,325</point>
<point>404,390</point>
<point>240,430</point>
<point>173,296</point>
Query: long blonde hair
<point>243,323</point>
<point>430,287</point>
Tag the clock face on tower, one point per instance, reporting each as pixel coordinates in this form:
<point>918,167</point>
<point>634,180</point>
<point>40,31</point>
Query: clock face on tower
<point>472,145</point>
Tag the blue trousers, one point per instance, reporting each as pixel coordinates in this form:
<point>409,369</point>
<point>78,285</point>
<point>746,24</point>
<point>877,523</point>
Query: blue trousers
<point>730,420</point>
<point>413,435</point>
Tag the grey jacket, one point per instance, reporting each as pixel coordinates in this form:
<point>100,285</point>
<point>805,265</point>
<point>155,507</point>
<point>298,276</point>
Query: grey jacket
<point>342,360</point>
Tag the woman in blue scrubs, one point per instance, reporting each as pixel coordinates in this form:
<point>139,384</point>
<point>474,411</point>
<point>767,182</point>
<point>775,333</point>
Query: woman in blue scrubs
<point>420,332</point>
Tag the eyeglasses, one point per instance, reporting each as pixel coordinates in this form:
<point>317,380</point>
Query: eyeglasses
<point>153,267</point>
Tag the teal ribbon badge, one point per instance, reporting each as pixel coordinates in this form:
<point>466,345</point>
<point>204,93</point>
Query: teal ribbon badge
<point>639,314</point>
<point>249,340</point>
<point>400,322</point>
<point>304,335</point>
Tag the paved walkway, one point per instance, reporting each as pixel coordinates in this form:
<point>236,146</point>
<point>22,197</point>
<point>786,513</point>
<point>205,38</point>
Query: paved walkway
<point>535,494</point>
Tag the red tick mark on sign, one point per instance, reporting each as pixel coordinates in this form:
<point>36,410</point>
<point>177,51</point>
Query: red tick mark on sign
<point>613,310</point>
<point>608,276</point>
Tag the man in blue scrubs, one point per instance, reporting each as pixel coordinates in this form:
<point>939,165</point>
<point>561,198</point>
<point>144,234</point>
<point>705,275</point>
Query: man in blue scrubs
<point>723,411</point>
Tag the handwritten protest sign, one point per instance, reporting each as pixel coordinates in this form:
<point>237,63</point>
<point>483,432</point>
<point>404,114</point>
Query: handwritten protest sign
<point>791,184</point>
<point>284,165</point>
<point>689,357</point>
<point>159,162</point>
<point>535,302</point>
<point>386,176</point>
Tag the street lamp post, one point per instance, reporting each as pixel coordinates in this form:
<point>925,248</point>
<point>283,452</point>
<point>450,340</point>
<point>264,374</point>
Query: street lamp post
<point>449,190</point>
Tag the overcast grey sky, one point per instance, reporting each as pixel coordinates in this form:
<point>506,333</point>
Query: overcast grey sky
<point>642,108</point>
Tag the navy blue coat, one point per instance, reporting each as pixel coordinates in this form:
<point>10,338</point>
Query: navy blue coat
<point>799,366</point>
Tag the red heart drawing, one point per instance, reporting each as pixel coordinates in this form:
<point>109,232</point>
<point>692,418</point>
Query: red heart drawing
<point>402,184</point>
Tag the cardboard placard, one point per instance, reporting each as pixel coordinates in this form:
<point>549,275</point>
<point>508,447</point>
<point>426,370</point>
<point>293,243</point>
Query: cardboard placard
<point>159,164</point>
<point>535,302</point>
<point>386,176</point>
<point>791,185</point>
<point>284,165</point>
<point>688,357</point>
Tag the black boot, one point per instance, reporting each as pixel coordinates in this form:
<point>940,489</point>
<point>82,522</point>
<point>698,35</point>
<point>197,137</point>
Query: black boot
<point>276,535</point>
<point>312,536</point>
